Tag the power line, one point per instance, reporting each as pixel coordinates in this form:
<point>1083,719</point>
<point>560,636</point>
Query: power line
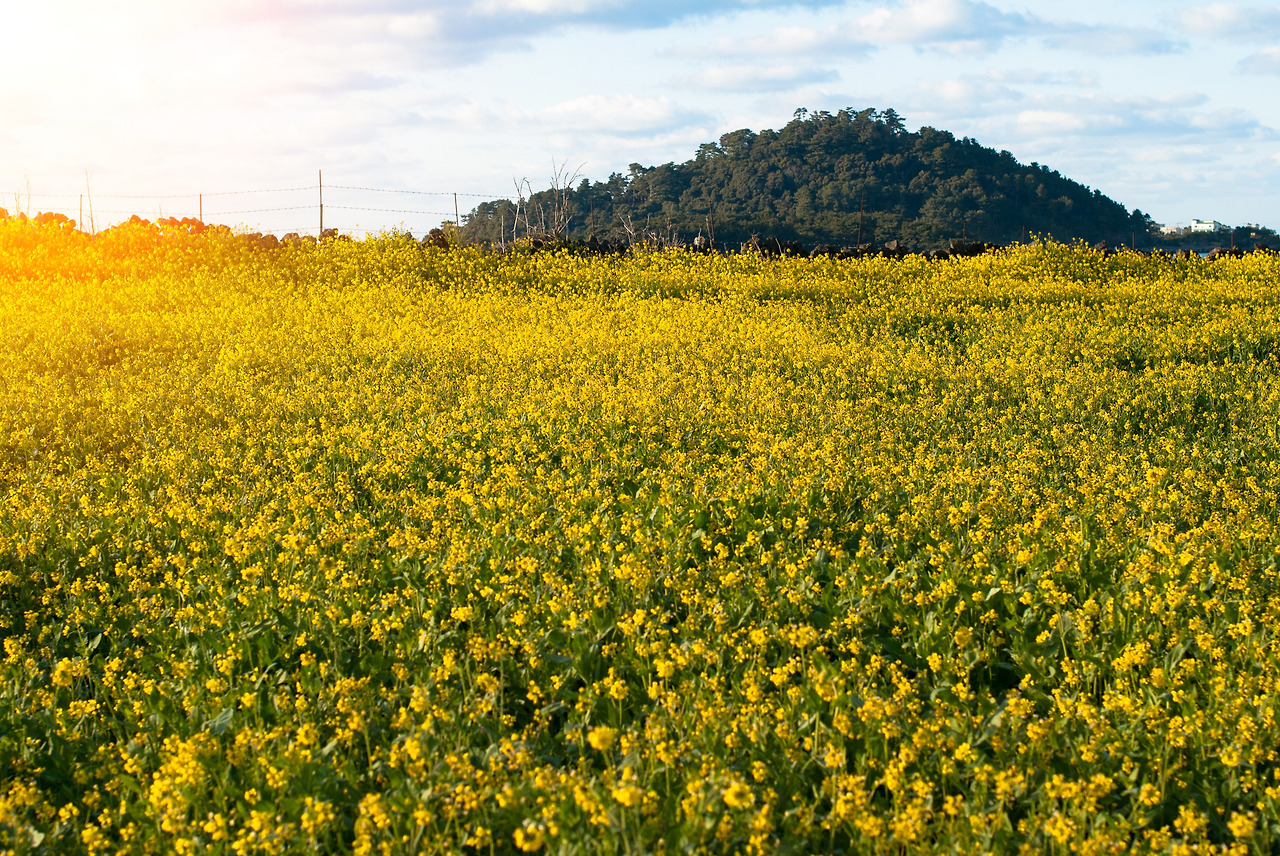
<point>184,203</point>
<point>32,195</point>
<point>260,210</point>
<point>162,195</point>
<point>417,192</point>
<point>117,211</point>
<point>272,190</point>
<point>391,210</point>
<point>213,213</point>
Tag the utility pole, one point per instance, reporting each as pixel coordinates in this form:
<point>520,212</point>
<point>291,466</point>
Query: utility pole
<point>457,218</point>
<point>320,179</point>
<point>201,207</point>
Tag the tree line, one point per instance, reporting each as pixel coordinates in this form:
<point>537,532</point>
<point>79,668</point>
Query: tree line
<point>846,178</point>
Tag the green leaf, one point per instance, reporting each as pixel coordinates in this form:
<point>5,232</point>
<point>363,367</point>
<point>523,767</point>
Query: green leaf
<point>220,723</point>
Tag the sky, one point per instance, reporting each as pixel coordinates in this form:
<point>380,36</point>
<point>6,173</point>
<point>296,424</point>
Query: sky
<point>140,105</point>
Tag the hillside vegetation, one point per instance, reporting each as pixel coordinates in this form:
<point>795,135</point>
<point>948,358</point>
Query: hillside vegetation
<point>837,178</point>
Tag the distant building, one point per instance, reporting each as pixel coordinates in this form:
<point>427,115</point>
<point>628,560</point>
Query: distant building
<point>1207,226</point>
<point>1173,231</point>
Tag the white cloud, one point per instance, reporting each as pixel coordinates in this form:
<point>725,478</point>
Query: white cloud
<point>21,107</point>
<point>958,27</point>
<point>1265,61</point>
<point>1175,122</point>
<point>1233,21</point>
<point>1167,118</point>
<point>993,92</point>
<point>1051,122</point>
<point>436,33</point>
<point>614,114</point>
<point>541,7</point>
<point>421,25</point>
<point>1230,123</point>
<point>947,24</point>
<point>1108,40</point>
<point>759,78</point>
<point>782,41</point>
<point>1035,77</point>
<point>970,93</point>
<point>1171,154</point>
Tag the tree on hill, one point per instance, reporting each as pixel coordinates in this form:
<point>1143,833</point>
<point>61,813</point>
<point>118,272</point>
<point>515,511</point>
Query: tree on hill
<point>833,178</point>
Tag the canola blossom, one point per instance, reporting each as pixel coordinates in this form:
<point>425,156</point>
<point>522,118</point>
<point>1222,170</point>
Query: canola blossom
<point>364,547</point>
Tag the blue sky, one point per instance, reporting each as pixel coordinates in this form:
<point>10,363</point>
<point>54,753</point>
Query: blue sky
<point>1166,106</point>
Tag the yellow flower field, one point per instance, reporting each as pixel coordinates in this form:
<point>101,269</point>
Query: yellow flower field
<point>363,547</point>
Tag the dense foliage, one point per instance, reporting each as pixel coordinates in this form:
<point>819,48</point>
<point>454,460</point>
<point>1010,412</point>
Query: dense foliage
<point>361,546</point>
<point>842,179</point>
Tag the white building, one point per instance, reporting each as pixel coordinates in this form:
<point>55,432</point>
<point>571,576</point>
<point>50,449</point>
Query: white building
<point>1207,226</point>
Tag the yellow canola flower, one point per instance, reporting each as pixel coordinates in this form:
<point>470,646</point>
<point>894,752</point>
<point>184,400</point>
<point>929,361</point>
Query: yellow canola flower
<point>738,795</point>
<point>362,539</point>
<point>602,737</point>
<point>628,795</point>
<point>529,838</point>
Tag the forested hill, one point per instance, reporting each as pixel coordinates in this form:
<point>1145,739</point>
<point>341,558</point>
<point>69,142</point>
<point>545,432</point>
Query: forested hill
<point>840,178</point>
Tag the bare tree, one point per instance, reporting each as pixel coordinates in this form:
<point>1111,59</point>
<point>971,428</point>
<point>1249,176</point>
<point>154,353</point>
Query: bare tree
<point>522,205</point>
<point>546,215</point>
<point>627,226</point>
<point>561,186</point>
